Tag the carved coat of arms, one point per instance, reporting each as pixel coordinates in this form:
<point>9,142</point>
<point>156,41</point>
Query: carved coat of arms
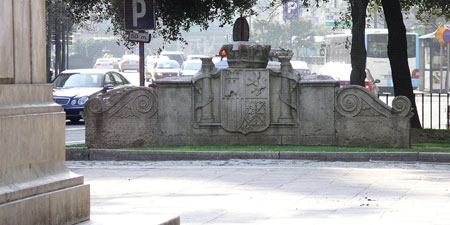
<point>245,100</point>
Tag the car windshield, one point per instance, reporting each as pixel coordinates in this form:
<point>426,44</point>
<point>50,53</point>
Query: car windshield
<point>167,65</point>
<point>175,57</point>
<point>71,80</point>
<point>192,65</point>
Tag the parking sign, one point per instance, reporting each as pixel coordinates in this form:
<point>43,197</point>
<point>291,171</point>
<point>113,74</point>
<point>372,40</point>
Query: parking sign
<point>139,15</point>
<point>291,9</point>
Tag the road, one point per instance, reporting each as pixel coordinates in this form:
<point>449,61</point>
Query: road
<point>75,133</point>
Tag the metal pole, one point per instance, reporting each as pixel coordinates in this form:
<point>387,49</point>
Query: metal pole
<point>439,113</point>
<point>290,34</point>
<point>448,67</point>
<point>141,64</point>
<point>421,65</point>
<point>441,65</point>
<point>431,110</point>
<point>423,110</point>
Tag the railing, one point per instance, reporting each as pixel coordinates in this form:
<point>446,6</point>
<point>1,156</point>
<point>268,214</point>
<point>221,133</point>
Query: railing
<point>433,109</point>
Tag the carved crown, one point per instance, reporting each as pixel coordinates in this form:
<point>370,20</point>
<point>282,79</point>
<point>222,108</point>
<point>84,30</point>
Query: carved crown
<point>248,55</point>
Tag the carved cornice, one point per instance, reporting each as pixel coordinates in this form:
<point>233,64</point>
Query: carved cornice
<point>140,102</point>
<point>356,101</point>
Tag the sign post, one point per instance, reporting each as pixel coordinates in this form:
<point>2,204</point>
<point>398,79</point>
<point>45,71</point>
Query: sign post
<point>139,16</point>
<point>291,10</point>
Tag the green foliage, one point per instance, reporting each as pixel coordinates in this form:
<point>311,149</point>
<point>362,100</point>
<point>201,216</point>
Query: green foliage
<point>176,16</point>
<point>173,16</point>
<point>277,34</point>
<point>85,52</point>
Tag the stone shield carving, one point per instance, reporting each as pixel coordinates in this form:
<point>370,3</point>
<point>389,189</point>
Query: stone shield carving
<point>245,100</point>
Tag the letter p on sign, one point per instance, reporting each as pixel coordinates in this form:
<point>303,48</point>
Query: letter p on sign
<point>139,15</point>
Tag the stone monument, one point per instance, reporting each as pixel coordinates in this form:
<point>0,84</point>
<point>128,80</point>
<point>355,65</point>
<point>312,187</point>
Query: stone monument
<point>245,104</point>
<point>35,185</point>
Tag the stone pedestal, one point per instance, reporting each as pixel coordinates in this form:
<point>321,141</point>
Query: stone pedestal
<point>35,185</point>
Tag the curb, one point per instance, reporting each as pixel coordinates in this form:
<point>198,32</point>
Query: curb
<point>84,154</point>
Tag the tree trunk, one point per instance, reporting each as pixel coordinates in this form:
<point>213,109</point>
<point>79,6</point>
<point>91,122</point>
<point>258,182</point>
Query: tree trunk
<point>57,30</point>
<point>62,65</point>
<point>358,50</point>
<point>398,55</point>
<point>49,43</point>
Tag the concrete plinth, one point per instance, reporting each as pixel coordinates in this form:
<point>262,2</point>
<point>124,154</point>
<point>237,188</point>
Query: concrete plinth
<point>35,185</point>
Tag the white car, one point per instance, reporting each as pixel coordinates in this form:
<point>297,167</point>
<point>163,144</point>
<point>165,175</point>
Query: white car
<point>151,60</point>
<point>220,62</point>
<point>174,55</point>
<point>129,62</point>
<point>341,73</point>
<point>104,63</point>
<point>191,57</point>
<point>190,67</point>
<point>164,68</point>
<point>301,67</point>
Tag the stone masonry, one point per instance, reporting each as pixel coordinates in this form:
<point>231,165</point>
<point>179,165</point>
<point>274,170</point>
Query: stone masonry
<point>36,187</point>
<point>244,105</point>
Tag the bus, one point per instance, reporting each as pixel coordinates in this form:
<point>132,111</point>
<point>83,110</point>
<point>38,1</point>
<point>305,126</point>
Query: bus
<point>376,41</point>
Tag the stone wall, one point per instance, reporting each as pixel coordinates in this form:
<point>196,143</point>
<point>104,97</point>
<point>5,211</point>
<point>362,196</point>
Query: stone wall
<point>35,185</point>
<point>260,107</point>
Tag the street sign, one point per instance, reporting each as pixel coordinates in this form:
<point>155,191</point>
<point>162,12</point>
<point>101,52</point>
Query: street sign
<point>139,37</point>
<point>291,9</point>
<point>139,15</point>
<point>442,34</point>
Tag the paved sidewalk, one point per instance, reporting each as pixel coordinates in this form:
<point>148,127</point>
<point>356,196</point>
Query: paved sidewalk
<point>278,192</point>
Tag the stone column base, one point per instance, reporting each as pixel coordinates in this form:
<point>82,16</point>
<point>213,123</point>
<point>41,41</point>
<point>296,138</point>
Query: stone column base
<point>64,206</point>
<point>36,187</point>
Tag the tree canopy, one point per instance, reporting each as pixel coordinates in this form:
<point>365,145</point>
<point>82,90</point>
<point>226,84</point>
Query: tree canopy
<point>277,34</point>
<point>173,16</point>
<point>176,16</point>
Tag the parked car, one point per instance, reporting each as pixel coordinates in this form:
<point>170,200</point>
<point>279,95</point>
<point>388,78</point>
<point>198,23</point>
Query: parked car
<point>190,67</point>
<point>341,72</point>
<point>272,64</point>
<point>220,62</point>
<point>174,55</point>
<point>163,68</point>
<point>129,62</point>
<point>104,63</point>
<point>72,88</point>
<point>301,67</point>
<point>191,57</point>
<point>151,60</point>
